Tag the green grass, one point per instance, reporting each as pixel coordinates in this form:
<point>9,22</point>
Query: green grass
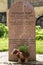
<point>39,46</point>
<point>3,44</point>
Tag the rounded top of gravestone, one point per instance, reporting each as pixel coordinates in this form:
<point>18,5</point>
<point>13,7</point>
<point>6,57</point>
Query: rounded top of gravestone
<point>21,17</point>
<point>17,6</point>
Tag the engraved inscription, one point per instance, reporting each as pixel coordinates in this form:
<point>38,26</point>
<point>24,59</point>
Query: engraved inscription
<point>23,41</point>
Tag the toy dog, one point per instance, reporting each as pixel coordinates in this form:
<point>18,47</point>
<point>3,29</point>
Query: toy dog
<point>20,55</point>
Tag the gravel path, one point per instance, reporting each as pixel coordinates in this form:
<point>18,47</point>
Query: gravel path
<point>4,58</point>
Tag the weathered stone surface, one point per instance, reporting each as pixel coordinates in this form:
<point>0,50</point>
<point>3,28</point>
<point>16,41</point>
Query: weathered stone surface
<point>22,28</point>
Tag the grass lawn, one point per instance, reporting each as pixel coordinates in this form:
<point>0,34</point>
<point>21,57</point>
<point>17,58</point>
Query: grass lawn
<point>3,44</point>
<point>39,46</point>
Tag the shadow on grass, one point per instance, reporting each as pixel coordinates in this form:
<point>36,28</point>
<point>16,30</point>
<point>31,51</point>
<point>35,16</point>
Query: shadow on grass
<point>3,50</point>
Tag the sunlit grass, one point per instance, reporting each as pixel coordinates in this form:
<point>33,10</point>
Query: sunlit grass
<point>39,46</point>
<point>3,44</point>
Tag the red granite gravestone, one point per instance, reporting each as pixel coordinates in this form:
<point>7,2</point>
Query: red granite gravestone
<point>22,28</point>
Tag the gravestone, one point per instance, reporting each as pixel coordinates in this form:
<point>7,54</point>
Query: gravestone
<point>22,28</point>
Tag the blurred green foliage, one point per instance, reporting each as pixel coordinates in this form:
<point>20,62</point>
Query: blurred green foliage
<point>39,33</point>
<point>3,30</point>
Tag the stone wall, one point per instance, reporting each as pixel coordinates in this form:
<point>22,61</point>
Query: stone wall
<point>34,2</point>
<point>3,5</point>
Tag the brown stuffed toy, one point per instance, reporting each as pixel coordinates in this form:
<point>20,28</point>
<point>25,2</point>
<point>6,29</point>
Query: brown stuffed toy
<point>21,56</point>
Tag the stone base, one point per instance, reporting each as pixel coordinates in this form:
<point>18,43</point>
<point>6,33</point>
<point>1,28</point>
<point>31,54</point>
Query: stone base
<point>29,63</point>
